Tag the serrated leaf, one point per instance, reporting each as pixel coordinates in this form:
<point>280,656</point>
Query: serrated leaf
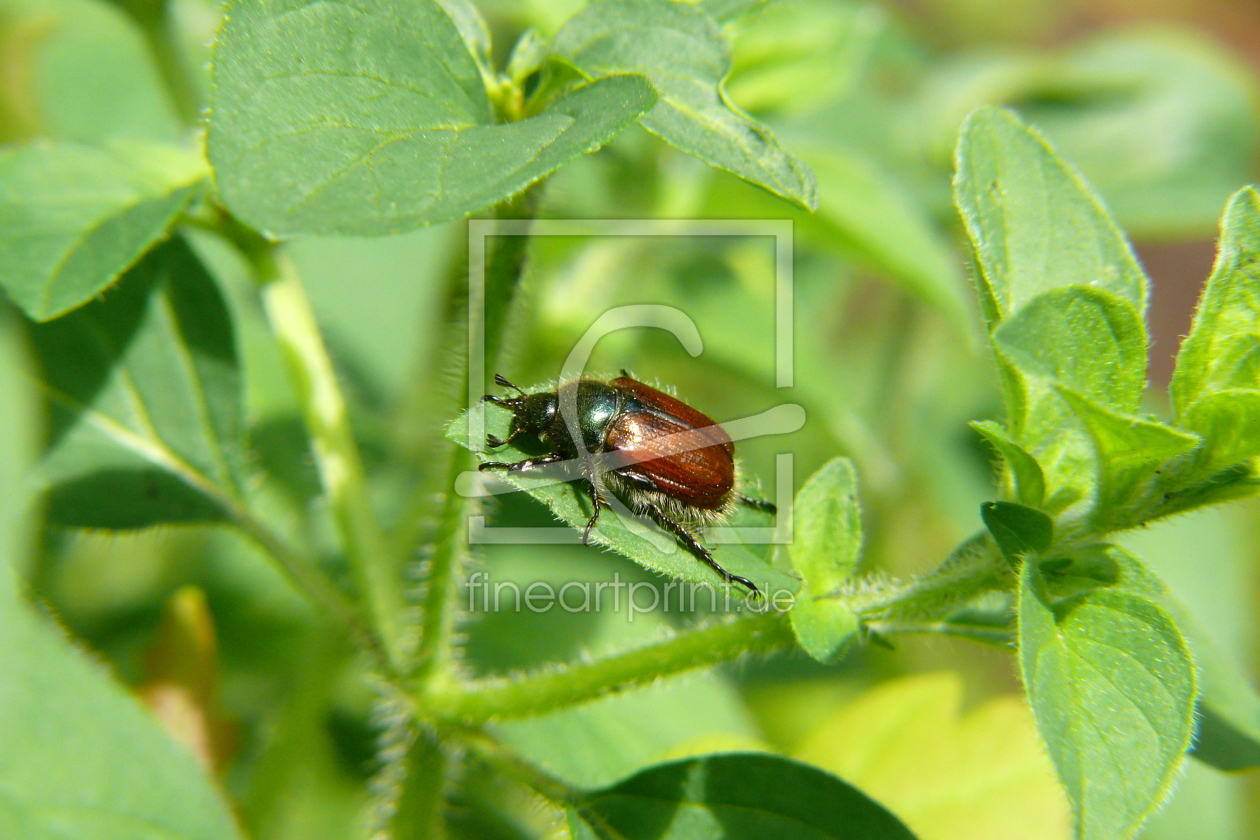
<point>686,55</point>
<point>1129,450</point>
<point>641,542</point>
<point>1019,531</point>
<point>734,796</point>
<point>1034,224</point>
<point>1027,483</point>
<point>372,118</point>
<point>1112,688</point>
<point>144,393</point>
<point>1222,351</point>
<point>79,757</point>
<point>73,218</point>
<point>825,548</point>
<point>950,776</point>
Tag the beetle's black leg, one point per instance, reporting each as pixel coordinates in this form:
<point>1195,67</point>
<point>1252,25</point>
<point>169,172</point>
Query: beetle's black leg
<point>756,504</point>
<point>625,373</point>
<point>693,545</point>
<point>522,466</point>
<point>598,503</point>
<point>499,401</point>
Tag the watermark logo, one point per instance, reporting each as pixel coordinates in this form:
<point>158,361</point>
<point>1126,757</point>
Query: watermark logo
<point>489,596</point>
<point>781,419</point>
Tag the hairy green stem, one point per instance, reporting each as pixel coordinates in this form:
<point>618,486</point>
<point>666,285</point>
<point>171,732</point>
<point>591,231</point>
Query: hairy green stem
<point>512,765</point>
<point>435,655</point>
<point>497,698</point>
<point>336,453</point>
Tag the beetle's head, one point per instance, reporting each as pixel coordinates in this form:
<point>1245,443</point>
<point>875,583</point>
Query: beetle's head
<point>534,414</point>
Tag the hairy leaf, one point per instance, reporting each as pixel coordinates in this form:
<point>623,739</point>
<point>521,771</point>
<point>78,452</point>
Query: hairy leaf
<point>1229,421</point>
<point>1223,348</point>
<point>73,218</point>
<point>734,796</point>
<point>1130,451</point>
<point>372,118</point>
<point>1034,224</point>
<point>1028,484</point>
<point>1112,687</point>
<point>144,392</point>
<point>686,55</point>
<point>825,548</point>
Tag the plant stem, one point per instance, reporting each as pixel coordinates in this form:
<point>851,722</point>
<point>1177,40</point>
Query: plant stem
<point>491,699</point>
<point>996,636</point>
<point>435,655</point>
<point>336,452</point>
<point>510,764</point>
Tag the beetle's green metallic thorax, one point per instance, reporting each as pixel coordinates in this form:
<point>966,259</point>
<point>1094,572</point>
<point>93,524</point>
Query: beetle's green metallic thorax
<point>598,406</point>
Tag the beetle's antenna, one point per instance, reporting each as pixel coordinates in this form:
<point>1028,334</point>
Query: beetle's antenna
<point>501,380</point>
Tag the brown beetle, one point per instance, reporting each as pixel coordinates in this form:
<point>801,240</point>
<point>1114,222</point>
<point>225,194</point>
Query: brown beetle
<point>663,457</point>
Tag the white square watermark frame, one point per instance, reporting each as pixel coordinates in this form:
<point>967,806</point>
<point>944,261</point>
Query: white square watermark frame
<point>479,230</point>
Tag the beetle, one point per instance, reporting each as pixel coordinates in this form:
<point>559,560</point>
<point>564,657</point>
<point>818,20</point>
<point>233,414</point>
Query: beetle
<point>664,458</point>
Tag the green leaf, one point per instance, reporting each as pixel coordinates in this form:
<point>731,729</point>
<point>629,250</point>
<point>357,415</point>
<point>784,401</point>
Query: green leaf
<point>1082,338</point>
<point>981,775</point>
<point>1112,688</point>
<point>686,55</point>
<point>646,545</point>
<point>1130,451</point>
<point>1086,339</point>
<point>73,218</point>
<point>144,393</point>
<point>1019,531</point>
<point>473,31</point>
<point>1222,351</point>
<point>79,757</point>
<point>373,118</point>
<point>1229,421</point>
<point>61,92</point>
<point>1034,224</point>
<point>825,549</point>
<point>1027,483</point>
<point>735,796</point>
<point>1228,708</point>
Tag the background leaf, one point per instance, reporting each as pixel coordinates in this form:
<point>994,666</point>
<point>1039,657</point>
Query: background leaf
<point>78,756</point>
<point>825,548</point>
<point>1112,688</point>
<point>72,218</point>
<point>982,775</point>
<point>685,54</point>
<point>145,399</point>
<point>373,119</point>
<point>61,93</point>
<point>735,796</point>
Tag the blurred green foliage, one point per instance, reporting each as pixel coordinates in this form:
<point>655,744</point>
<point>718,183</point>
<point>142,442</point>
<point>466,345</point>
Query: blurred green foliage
<point>888,366</point>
